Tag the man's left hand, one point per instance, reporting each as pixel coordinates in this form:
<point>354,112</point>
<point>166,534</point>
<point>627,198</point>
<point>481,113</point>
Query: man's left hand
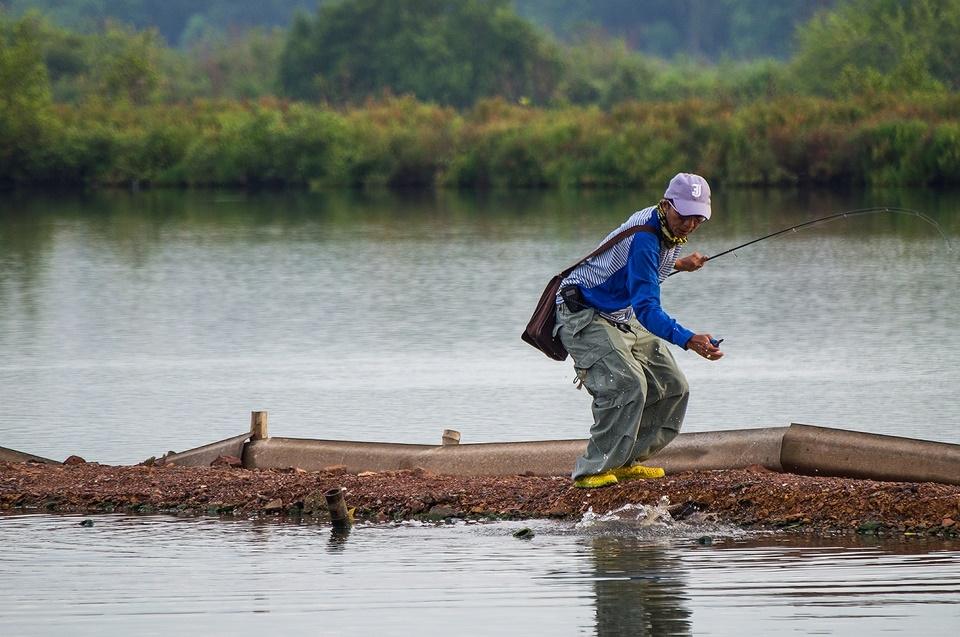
<point>691,262</point>
<point>703,344</point>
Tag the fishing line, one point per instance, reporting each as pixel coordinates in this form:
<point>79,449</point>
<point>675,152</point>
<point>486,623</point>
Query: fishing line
<point>840,215</point>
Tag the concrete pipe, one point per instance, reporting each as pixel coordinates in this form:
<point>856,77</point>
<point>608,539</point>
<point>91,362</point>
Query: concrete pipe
<point>813,450</point>
<point>688,452</point>
<point>12,455</point>
<point>203,456</point>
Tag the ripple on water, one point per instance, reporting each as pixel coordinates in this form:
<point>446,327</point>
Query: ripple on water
<point>155,574</point>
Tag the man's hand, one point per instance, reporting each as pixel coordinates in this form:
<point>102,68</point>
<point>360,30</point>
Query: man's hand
<point>690,262</point>
<point>700,343</point>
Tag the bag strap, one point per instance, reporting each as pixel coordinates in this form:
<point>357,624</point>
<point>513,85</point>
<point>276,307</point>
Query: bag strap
<point>609,244</point>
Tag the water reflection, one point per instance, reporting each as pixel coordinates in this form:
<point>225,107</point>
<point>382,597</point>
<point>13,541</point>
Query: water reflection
<point>338,539</point>
<point>640,588</point>
<point>162,575</point>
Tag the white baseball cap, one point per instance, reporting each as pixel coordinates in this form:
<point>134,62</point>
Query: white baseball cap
<point>690,195</point>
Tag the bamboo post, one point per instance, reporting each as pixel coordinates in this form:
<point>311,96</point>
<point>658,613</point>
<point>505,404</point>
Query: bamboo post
<point>258,425</point>
<point>450,437</point>
<point>339,515</point>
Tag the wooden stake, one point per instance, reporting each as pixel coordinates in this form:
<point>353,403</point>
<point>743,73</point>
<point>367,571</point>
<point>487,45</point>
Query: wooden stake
<point>258,425</point>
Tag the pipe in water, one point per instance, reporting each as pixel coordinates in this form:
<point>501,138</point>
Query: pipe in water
<point>339,515</point>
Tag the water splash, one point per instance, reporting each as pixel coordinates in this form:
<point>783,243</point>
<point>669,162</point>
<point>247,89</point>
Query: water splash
<point>654,520</point>
<point>634,515</point>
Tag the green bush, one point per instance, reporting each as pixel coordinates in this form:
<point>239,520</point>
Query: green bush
<point>896,152</point>
<point>400,142</point>
<point>945,149</point>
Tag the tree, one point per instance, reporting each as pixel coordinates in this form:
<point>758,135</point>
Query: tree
<point>881,45</point>
<point>710,29</point>
<point>447,51</point>
<point>172,18</point>
<point>127,63</point>
<point>24,95</point>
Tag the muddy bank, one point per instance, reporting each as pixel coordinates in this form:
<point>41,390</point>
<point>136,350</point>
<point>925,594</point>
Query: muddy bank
<point>750,498</point>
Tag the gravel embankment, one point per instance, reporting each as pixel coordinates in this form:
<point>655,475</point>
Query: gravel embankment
<point>750,498</point>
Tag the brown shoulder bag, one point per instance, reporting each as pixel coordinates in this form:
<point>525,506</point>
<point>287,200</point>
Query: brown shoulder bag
<point>540,330</point>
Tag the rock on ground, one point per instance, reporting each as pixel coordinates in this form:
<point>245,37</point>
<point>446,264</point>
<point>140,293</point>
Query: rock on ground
<point>749,498</point>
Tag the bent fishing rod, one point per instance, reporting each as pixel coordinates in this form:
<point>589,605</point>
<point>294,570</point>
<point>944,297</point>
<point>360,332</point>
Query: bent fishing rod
<point>840,215</point>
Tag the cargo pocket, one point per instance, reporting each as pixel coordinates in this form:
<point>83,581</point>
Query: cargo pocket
<point>607,377</point>
<point>590,358</point>
<point>577,321</point>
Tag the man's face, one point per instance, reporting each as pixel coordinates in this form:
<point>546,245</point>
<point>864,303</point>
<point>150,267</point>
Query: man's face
<point>681,226</point>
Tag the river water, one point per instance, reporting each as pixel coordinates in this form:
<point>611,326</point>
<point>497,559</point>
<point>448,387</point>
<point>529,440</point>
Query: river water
<point>166,576</point>
<point>136,323</point>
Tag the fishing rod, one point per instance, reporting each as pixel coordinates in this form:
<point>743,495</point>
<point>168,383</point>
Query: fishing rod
<point>840,215</point>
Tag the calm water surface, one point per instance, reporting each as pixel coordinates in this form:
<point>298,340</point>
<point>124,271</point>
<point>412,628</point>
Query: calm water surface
<point>162,576</point>
<point>134,324</point>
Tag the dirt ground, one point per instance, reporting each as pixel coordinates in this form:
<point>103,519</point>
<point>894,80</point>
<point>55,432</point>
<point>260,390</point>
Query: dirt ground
<point>749,498</point>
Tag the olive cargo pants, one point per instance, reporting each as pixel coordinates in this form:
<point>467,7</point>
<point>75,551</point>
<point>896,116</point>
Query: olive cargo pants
<point>639,394</point>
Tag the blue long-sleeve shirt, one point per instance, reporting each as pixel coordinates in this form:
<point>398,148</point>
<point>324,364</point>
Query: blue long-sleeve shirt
<point>626,278</point>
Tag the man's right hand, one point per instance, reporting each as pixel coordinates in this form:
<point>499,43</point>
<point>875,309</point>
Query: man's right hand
<point>700,343</point>
<point>691,262</point>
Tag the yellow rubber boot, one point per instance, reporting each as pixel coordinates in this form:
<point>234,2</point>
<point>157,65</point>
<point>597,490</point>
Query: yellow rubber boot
<point>596,481</point>
<point>637,472</point>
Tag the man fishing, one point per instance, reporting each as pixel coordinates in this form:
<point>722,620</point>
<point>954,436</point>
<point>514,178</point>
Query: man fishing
<point>610,321</point>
